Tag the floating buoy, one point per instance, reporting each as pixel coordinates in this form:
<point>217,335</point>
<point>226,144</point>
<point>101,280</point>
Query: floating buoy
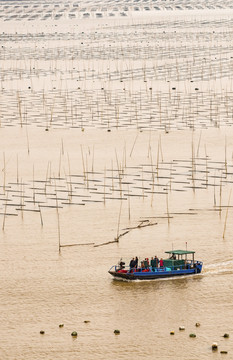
<point>192,335</point>
<point>86,321</point>
<point>226,335</point>
<point>117,332</point>
<point>172,332</point>
<point>74,334</point>
<point>42,332</point>
<point>223,352</point>
<point>82,129</point>
<point>214,346</point>
<point>197,324</point>
<point>61,325</point>
<point>181,328</point>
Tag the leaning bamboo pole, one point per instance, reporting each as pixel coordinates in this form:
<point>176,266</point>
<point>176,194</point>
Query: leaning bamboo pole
<point>225,223</point>
<point>118,225</point>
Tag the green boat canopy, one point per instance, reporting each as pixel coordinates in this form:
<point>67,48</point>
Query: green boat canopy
<point>180,252</point>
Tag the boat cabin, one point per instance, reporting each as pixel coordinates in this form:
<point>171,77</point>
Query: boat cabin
<point>179,259</point>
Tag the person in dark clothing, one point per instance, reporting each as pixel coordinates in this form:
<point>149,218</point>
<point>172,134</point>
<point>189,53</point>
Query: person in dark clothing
<point>122,265</point>
<point>156,261</point>
<point>136,262</point>
<point>152,264</point>
<point>132,264</point>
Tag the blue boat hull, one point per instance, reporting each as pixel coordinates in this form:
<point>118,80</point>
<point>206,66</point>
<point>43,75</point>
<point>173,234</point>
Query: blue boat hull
<point>158,274</point>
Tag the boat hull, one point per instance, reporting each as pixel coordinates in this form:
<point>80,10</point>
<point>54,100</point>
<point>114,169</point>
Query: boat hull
<point>153,274</point>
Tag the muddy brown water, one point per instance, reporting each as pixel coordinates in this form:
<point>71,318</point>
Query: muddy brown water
<point>105,124</point>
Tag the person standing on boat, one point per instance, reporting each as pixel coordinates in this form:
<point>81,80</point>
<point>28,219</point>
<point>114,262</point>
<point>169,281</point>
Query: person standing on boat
<point>161,262</point>
<point>136,262</point>
<point>146,263</point>
<point>132,264</point>
<point>156,261</point>
<point>152,264</point>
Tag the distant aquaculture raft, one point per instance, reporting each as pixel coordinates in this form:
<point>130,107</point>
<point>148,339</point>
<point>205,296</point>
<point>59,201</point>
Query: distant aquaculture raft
<point>178,264</point>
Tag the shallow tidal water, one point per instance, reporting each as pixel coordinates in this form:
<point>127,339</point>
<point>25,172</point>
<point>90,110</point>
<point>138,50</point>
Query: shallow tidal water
<point>114,115</point>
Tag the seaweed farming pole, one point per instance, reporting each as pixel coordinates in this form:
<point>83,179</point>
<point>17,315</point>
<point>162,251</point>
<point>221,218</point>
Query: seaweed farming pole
<point>19,108</point>
<point>84,172</point>
<point>33,185</point>
<point>93,157</point>
<point>59,166</point>
<point>198,147</point>
<point>58,227</point>
<point>129,204</point>
<point>214,190</point>
<point>118,226</point>
<point>4,217</point>
<point>4,173</point>
<point>22,198</point>
<point>41,220</point>
<point>220,197</point>
<point>69,187</point>
<point>206,156</point>
<point>17,170</point>
<point>167,202</point>
<point>225,223</point>
<point>226,156</point>
<point>157,165</point>
<point>193,165</point>
<point>58,222</point>
<point>133,145</point>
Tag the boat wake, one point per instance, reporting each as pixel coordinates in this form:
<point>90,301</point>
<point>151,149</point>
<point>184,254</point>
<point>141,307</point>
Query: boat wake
<point>218,268</point>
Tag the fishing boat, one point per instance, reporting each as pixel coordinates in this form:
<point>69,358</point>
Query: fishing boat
<point>178,263</point>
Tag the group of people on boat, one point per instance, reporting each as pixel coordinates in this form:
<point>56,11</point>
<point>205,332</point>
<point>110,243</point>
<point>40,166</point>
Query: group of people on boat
<point>146,263</point>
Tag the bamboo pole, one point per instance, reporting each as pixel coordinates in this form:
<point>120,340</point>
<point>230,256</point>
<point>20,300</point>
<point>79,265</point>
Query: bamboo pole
<point>225,223</point>
<point>58,223</point>
<point>4,172</point>
<point>168,216</point>
<point>4,217</point>
<point>84,173</point>
<point>118,226</point>
<point>129,212</point>
<point>17,170</point>
<point>41,220</point>
<point>220,197</point>
<point>133,145</point>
